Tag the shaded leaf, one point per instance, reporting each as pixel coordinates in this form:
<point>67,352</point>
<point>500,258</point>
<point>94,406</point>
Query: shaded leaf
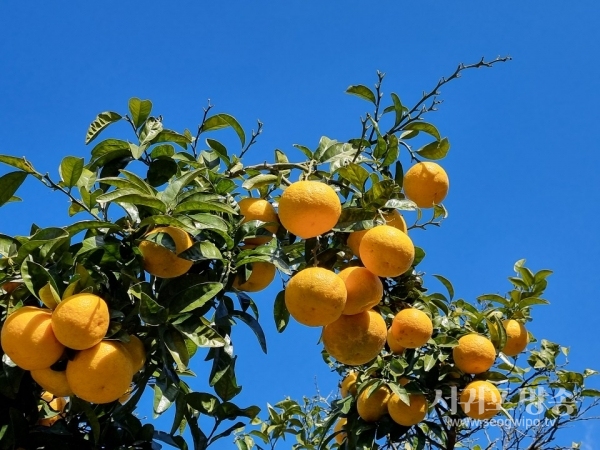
<point>9,183</point>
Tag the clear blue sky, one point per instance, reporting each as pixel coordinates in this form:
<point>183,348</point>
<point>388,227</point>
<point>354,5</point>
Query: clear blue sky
<point>523,163</point>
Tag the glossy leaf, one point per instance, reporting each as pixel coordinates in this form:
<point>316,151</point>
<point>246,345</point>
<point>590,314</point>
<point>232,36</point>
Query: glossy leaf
<point>100,123</point>
<point>280,312</point>
<point>70,170</point>
<point>9,183</point>
<point>424,127</point>
<point>362,91</point>
<point>140,110</point>
<point>219,121</point>
<point>435,150</point>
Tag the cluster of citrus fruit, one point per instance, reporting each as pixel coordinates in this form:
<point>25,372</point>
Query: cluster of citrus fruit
<point>70,338</point>
<point>474,355</point>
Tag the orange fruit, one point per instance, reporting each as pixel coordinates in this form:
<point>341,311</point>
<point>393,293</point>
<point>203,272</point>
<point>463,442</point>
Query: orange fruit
<point>426,184</point>
<point>27,338</point>
<point>480,400</point>
<point>162,262</point>
<point>407,415</point>
<point>374,407</point>
<point>309,208</point>
<point>393,219</point>
<point>411,328</point>
<point>474,354</point>
<point>517,337</point>
<point>137,352</point>
<point>393,344</point>
<point>386,251</point>
<point>349,384</point>
<point>81,321</point>
<point>315,296</point>
<point>263,273</point>
<point>100,374</point>
<point>355,340</point>
<point>52,381</point>
<point>258,209</point>
<point>364,288</point>
<point>339,426</point>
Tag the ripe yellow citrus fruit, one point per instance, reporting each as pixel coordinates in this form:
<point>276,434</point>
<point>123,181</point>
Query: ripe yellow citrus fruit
<point>27,338</point>
<point>309,208</point>
<point>339,426</point>
<point>357,339</point>
<point>426,184</point>
<point>393,343</point>
<point>386,251</point>
<point>365,289</point>
<point>393,219</point>
<point>516,337</point>
<point>81,321</point>
<point>162,262</point>
<point>315,296</point>
<point>374,407</point>
<point>137,352</point>
<point>258,209</point>
<point>52,381</point>
<point>100,374</point>
<point>480,400</point>
<point>474,354</point>
<point>57,404</point>
<point>411,328</point>
<point>263,273</point>
<point>349,384</point>
<point>407,415</point>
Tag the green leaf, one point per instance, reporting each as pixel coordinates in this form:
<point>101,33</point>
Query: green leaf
<point>100,123</point>
<point>398,108</point>
<point>424,127</point>
<point>160,171</point>
<point>220,149</point>
<point>280,312</point>
<point>107,151</point>
<point>590,393</point>
<point>172,136</point>
<point>9,183</point>
<point>419,256</point>
<point>447,284</point>
<point>175,344</point>
<point>133,197</point>
<point>530,301</point>
<point>195,297</point>
<point>259,181</point>
<point>401,204</point>
<point>203,206</point>
<point>70,170</point>
<point>307,152</point>
<point>35,277</point>
<point>76,227</point>
<point>435,150</point>
<point>19,163</point>
<point>201,251</point>
<point>203,402</point>
<point>151,129</point>
<point>254,326</point>
<point>140,110</point>
<point>175,187</point>
<point>362,91</point>
<point>223,121</point>
<point>355,174</point>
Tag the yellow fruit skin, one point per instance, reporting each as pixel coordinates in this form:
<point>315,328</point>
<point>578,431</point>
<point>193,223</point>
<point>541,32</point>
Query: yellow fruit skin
<point>263,273</point>
<point>137,352</point>
<point>339,426</point>
<point>393,219</point>
<point>162,262</point>
<point>349,385</point>
<point>28,339</point>
<point>393,343</point>
<point>474,354</point>
<point>426,184</point>
<point>355,340</point>
<point>364,288</point>
<point>52,381</point>
<point>411,328</point>
<point>81,321</point>
<point>517,337</point>
<point>373,408</point>
<point>309,208</point>
<point>315,296</point>
<point>406,415</point>
<point>480,400</point>
<point>258,209</point>
<point>100,374</point>
<point>386,251</point>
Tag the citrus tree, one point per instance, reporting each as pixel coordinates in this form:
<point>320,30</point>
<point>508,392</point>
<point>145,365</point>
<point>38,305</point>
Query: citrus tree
<point>172,236</point>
